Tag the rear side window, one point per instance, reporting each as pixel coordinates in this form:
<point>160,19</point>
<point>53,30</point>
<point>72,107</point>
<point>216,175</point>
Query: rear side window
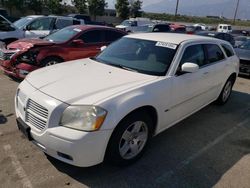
<point>95,36</point>
<point>220,36</point>
<point>214,53</point>
<point>194,54</point>
<point>161,28</point>
<point>228,37</point>
<point>228,50</point>
<point>111,36</point>
<point>61,23</point>
<point>76,22</point>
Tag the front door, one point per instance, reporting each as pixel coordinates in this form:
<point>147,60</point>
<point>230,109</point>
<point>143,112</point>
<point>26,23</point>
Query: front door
<point>40,27</point>
<point>191,91</point>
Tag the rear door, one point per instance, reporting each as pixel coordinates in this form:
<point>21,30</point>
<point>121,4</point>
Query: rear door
<point>61,23</point>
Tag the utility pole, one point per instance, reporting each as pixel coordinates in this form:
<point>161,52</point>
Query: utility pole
<point>176,10</point>
<point>236,10</point>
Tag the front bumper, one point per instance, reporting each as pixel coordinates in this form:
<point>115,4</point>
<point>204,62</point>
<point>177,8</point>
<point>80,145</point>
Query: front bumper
<point>18,71</point>
<point>71,146</point>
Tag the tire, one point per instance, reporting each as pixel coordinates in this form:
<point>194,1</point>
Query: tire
<point>129,140</point>
<point>226,92</point>
<point>48,61</point>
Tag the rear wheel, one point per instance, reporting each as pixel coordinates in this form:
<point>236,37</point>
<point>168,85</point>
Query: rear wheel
<point>129,140</point>
<point>226,92</point>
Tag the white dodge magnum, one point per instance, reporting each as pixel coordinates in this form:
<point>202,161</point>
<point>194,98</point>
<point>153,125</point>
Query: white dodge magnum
<point>108,107</point>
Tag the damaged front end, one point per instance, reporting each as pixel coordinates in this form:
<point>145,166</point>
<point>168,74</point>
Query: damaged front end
<point>17,63</point>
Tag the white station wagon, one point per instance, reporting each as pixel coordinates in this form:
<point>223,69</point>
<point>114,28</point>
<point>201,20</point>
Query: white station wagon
<point>108,107</point>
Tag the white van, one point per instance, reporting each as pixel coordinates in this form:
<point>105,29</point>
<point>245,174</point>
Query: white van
<point>224,28</point>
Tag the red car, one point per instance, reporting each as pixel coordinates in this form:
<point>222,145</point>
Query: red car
<point>70,43</point>
<point>177,28</point>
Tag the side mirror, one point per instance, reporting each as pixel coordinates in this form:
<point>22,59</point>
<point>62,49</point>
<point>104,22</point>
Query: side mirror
<point>189,67</point>
<point>77,42</point>
<point>103,48</point>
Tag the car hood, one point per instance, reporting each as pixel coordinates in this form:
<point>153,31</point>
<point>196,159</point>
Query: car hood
<point>25,44</point>
<point>85,81</point>
<point>243,53</point>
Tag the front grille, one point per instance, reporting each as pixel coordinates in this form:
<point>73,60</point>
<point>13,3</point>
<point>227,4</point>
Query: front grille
<point>36,114</point>
<point>245,62</point>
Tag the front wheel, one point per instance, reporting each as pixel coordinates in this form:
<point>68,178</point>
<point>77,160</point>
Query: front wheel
<point>129,140</point>
<point>226,92</point>
<point>51,61</point>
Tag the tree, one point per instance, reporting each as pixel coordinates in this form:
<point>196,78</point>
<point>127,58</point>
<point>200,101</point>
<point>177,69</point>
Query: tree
<point>36,6</point>
<point>135,8</point>
<point>54,6</point>
<point>81,5</point>
<point>122,8</point>
<point>97,7</point>
<point>10,4</point>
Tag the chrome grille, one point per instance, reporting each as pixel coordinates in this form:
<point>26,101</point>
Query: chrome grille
<point>36,114</point>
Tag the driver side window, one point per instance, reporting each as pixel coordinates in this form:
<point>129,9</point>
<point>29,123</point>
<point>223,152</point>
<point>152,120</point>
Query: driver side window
<point>43,24</point>
<point>194,54</point>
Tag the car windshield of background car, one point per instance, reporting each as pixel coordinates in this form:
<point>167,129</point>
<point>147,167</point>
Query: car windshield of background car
<point>63,35</point>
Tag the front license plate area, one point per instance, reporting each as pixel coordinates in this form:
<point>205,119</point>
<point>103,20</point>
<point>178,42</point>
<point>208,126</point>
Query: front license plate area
<point>25,129</point>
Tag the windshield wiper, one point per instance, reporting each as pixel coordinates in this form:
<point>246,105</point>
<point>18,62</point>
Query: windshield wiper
<point>114,65</point>
<point>123,67</point>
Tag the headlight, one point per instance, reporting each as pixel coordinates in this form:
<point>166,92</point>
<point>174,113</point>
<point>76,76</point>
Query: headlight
<point>85,118</point>
<point>29,57</point>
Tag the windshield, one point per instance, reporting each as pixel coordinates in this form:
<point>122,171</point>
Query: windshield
<point>22,22</point>
<point>63,35</point>
<point>148,57</point>
<point>245,45</point>
<point>128,23</point>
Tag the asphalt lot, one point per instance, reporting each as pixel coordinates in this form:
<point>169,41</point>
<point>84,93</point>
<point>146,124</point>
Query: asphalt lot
<point>210,148</point>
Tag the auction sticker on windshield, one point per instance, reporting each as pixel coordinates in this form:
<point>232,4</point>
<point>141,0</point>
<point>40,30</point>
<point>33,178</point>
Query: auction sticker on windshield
<point>166,45</point>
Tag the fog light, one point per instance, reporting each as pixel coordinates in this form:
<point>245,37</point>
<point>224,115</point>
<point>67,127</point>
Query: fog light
<point>65,156</point>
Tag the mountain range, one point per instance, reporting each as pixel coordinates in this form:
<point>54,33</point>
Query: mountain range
<point>224,8</point>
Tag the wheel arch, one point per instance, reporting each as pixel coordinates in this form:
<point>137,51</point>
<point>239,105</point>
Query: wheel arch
<point>143,109</point>
<point>50,57</point>
<point>233,76</point>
